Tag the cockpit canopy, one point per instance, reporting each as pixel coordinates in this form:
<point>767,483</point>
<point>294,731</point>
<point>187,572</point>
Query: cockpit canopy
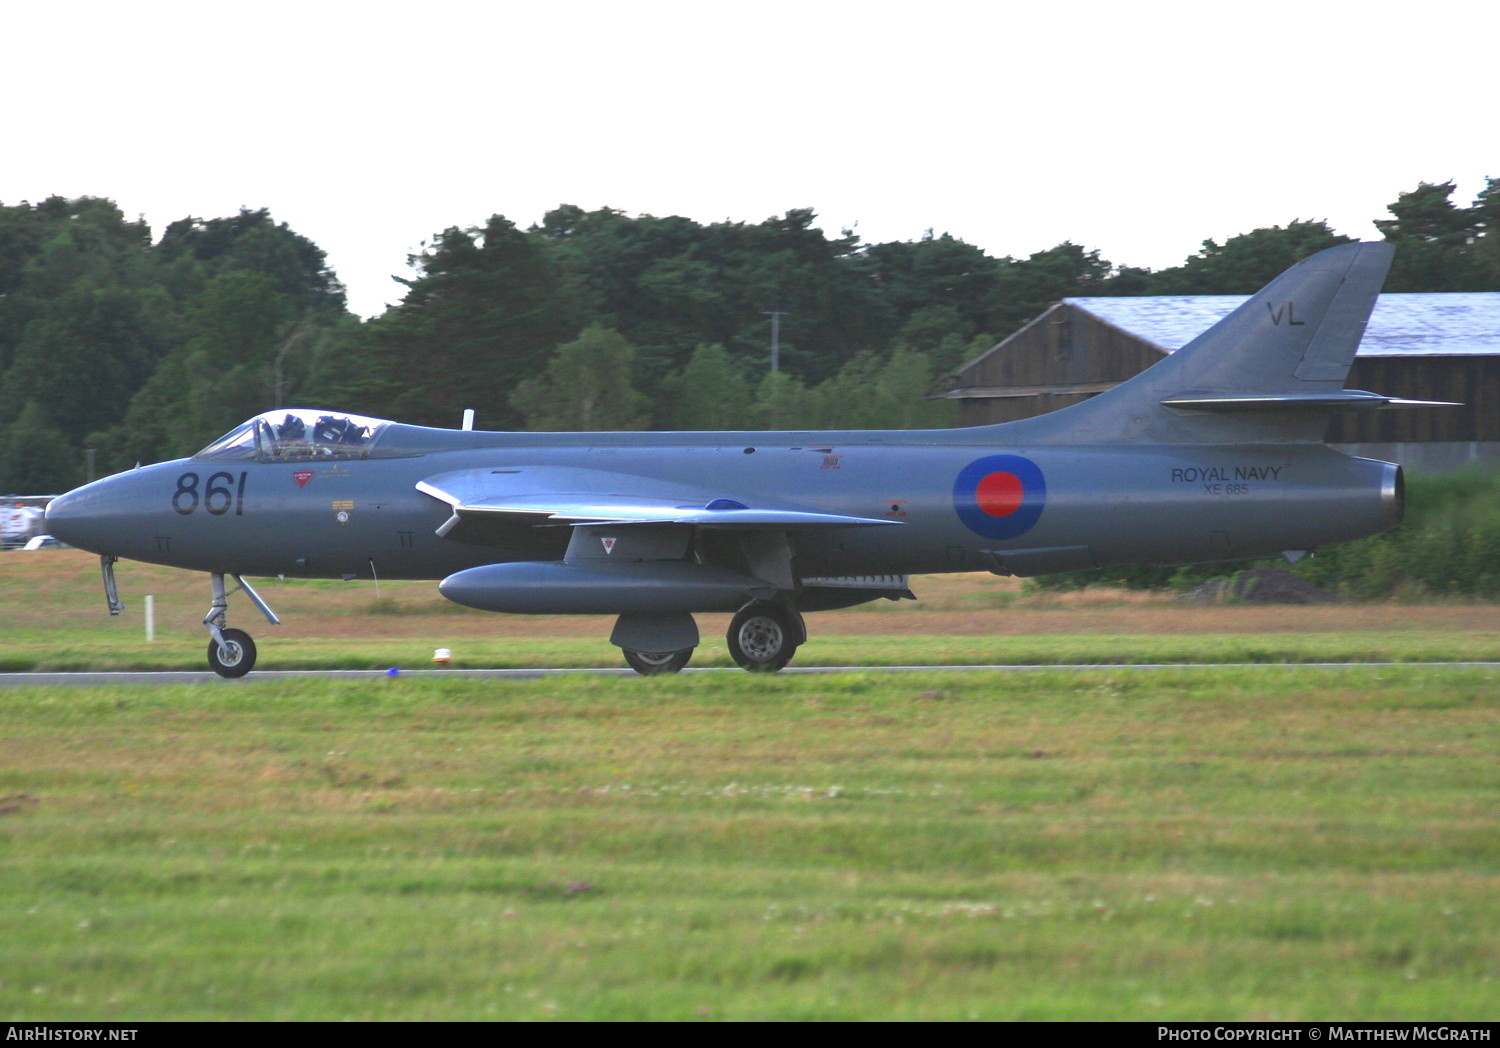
<point>297,435</point>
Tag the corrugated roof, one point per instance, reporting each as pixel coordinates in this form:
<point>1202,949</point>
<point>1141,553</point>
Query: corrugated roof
<point>1439,324</point>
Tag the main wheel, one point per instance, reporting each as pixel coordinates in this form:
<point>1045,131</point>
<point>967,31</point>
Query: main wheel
<point>652,663</point>
<point>761,639</point>
<point>235,658</point>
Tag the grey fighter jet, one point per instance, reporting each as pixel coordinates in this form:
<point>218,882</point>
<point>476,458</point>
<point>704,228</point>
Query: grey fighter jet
<point>1215,453</point>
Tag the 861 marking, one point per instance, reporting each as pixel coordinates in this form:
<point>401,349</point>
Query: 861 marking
<point>218,498</point>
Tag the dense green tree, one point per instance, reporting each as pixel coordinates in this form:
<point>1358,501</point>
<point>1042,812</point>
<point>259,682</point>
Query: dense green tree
<point>902,384</point>
<point>48,250</point>
<point>1129,280</point>
<point>250,242</point>
<point>21,232</point>
<point>250,347</point>
<point>150,430</point>
<point>852,398</point>
<point>883,392</point>
<point>1024,288</point>
<point>833,312</point>
<point>935,281</point>
<point>671,284</point>
<point>1241,265</point>
<point>84,356</point>
<point>35,456</point>
<point>1432,236</point>
<point>783,401</point>
<point>952,354</point>
<point>334,364</point>
<point>647,277</point>
<point>85,242</point>
<point>81,326</point>
<point>254,299</point>
<point>710,392</point>
<point>1487,247</point>
<point>485,311</point>
<point>22,228</point>
<point>241,321</point>
<point>929,327</point>
<point>587,386</point>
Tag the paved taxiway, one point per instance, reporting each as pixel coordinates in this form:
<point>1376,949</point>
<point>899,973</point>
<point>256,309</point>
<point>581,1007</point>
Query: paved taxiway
<point>205,677</point>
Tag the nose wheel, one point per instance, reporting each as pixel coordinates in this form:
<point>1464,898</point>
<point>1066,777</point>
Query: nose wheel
<point>231,652</point>
<point>233,655</point>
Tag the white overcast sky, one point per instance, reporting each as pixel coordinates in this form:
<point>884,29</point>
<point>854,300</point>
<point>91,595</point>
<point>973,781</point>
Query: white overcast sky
<point>1139,129</point>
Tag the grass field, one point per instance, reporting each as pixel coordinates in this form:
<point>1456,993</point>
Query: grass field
<point>54,619</point>
<point>1185,843</point>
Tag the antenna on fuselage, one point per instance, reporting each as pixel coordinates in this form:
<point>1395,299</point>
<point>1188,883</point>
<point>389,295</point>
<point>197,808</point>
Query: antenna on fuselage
<point>468,418</point>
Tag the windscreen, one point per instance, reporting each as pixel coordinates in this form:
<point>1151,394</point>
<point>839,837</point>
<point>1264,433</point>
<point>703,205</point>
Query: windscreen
<point>297,434</point>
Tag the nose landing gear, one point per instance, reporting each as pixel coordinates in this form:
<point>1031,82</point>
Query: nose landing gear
<point>231,652</point>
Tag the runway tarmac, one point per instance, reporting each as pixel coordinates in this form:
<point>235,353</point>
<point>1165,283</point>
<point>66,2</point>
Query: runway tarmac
<point>208,678</point>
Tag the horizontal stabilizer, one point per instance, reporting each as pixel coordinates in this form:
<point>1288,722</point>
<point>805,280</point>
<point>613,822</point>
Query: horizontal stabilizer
<point>1342,400</point>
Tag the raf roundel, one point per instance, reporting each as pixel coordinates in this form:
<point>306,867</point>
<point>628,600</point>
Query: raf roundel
<point>1000,496</point>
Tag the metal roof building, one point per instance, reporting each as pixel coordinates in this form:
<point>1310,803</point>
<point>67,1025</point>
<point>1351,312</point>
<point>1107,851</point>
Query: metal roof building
<point>1420,346</point>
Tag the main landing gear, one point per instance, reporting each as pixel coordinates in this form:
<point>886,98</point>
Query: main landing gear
<point>762,638</point>
<point>655,663</point>
<point>231,652</point>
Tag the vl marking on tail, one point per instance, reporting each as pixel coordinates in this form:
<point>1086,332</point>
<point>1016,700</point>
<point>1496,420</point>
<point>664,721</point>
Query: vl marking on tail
<point>1287,309</point>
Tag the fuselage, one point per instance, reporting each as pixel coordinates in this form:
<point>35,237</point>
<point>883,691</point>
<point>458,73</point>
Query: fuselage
<point>955,503</point>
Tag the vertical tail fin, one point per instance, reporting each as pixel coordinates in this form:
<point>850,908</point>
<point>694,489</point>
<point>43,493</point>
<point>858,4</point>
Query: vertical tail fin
<point>1270,371</point>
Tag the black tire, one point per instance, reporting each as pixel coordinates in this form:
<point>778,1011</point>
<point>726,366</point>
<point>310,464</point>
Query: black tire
<point>236,658</point>
<point>761,638</point>
<point>655,663</point>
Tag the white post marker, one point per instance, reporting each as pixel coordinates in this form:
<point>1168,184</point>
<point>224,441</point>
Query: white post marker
<point>150,618</point>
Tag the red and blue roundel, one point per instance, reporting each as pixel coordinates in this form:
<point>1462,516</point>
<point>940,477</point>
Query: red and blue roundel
<point>1000,496</point>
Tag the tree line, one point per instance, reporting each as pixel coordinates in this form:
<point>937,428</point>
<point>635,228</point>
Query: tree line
<point>134,349</point>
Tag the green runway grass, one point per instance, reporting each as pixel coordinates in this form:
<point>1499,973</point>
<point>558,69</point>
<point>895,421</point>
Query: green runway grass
<point>36,651</point>
<point>52,619</point>
<point>1186,844</point>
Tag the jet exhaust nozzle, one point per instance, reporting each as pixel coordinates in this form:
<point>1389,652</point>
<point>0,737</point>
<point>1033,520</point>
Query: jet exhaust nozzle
<point>1393,494</point>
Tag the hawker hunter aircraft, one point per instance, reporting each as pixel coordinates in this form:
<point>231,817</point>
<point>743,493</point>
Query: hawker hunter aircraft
<point>1215,453</point>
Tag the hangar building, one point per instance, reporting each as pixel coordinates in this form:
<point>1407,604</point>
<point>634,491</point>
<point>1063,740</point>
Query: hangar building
<point>1418,346</point>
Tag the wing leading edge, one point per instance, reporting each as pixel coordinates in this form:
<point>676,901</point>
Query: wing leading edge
<point>472,496</point>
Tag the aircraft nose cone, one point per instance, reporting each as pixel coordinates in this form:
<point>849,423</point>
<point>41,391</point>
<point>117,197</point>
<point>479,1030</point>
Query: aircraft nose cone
<point>63,517</point>
<point>85,517</point>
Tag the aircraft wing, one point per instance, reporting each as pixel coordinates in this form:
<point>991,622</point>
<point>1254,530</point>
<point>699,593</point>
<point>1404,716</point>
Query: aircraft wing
<point>570,496</point>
